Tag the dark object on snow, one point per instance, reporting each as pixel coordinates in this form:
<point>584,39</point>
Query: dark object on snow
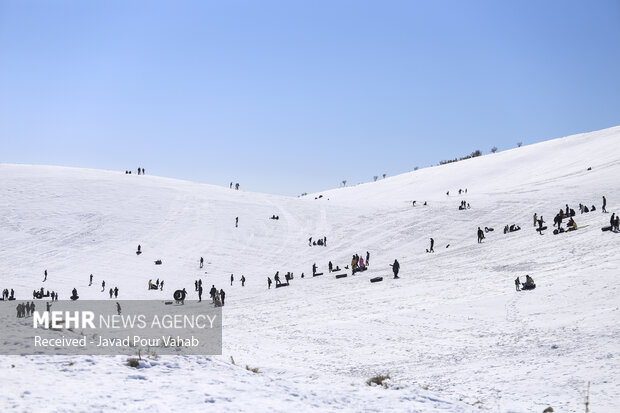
<point>541,229</point>
<point>179,295</point>
<point>316,274</point>
<point>282,285</point>
<point>376,279</point>
<point>138,252</point>
<point>158,262</point>
<point>487,229</point>
<point>341,275</point>
<point>527,286</point>
<point>167,302</point>
<point>590,168</point>
<point>74,297</point>
<point>154,287</point>
<point>607,228</point>
<point>556,232</point>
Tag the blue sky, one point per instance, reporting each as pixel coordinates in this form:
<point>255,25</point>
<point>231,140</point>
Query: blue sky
<point>296,96</point>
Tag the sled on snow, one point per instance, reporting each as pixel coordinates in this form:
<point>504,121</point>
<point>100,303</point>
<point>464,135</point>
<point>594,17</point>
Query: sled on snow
<point>607,228</point>
<point>528,286</point>
<point>376,279</point>
<point>158,262</point>
<point>179,296</point>
<point>138,252</point>
<point>541,229</point>
<point>154,287</point>
<point>316,274</point>
<point>282,285</point>
<point>341,275</point>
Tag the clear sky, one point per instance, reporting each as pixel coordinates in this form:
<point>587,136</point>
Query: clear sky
<point>296,96</point>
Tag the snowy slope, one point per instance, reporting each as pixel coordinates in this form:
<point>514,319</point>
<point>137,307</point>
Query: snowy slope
<point>452,332</point>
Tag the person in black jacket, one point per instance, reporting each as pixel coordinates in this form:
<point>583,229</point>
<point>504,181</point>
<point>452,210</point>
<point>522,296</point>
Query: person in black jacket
<point>222,296</point>
<point>480,235</point>
<point>212,293</point>
<point>432,244</point>
<point>395,268</point>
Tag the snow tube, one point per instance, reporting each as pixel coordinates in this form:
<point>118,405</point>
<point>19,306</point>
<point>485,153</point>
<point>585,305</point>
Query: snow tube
<point>154,287</point>
<point>38,295</point>
<point>158,262</point>
<point>528,286</point>
<point>376,279</point>
<point>341,275</point>
<point>179,295</point>
<point>138,252</point>
<point>74,297</point>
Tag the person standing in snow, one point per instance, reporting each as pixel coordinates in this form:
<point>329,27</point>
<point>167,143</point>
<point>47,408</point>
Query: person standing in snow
<point>395,268</point>
<point>222,296</point>
<point>535,219</point>
<point>91,280</point>
<point>330,266</point>
<point>212,292</point>
<point>432,245</point>
<point>103,286</point>
<point>268,283</point>
<point>517,284</point>
<point>367,258</point>
<point>45,273</point>
<point>243,280</point>
<point>277,278</point>
<point>118,308</point>
<point>236,222</point>
<point>604,204</point>
<point>200,294</point>
<point>232,278</point>
<point>115,292</point>
<point>161,285</point>
<point>480,235</point>
<point>310,241</point>
<point>111,292</point>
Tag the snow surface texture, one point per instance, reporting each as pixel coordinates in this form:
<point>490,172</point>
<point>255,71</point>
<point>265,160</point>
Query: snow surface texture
<point>452,332</point>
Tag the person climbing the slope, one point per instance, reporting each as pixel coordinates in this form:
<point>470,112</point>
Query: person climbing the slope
<point>604,204</point>
<point>432,245</point>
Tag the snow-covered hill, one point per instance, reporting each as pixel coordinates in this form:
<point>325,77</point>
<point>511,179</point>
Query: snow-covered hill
<point>452,332</point>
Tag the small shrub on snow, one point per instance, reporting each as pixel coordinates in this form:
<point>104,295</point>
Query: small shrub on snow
<point>133,362</point>
<point>378,380</point>
<point>253,370</point>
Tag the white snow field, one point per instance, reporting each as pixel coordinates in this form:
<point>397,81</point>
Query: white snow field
<point>452,332</point>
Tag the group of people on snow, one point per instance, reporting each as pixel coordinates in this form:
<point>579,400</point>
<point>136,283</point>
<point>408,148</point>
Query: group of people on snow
<point>320,241</point>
